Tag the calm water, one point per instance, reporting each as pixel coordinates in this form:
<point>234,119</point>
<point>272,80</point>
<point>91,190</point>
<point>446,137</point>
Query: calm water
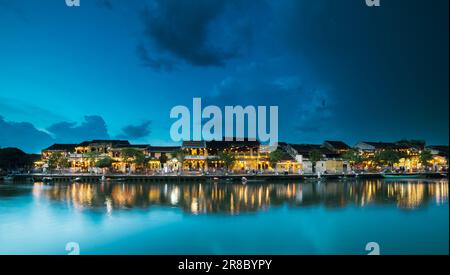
<point>403,217</point>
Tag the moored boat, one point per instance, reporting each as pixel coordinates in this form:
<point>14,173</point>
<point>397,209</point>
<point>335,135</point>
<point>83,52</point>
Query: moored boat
<point>400,176</point>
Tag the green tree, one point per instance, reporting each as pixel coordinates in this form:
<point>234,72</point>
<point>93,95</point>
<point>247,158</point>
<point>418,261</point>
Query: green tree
<point>53,160</point>
<point>227,158</point>
<point>315,156</point>
<point>180,155</point>
<point>425,157</point>
<point>353,157</point>
<point>132,155</point>
<point>92,158</point>
<point>63,162</point>
<point>104,163</point>
<point>275,157</point>
<point>387,157</point>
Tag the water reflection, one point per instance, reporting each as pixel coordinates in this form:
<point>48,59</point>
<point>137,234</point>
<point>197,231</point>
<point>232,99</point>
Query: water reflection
<point>200,198</point>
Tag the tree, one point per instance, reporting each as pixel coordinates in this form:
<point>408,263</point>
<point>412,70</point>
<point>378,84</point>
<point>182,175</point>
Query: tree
<point>353,157</point>
<point>14,158</point>
<point>132,155</point>
<point>92,158</point>
<point>227,158</point>
<point>53,160</point>
<point>180,155</point>
<point>388,157</point>
<point>275,157</point>
<point>315,156</point>
<point>425,157</point>
<point>104,163</point>
<point>63,162</point>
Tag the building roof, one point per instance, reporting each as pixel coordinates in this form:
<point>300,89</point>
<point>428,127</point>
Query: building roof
<point>61,147</point>
<point>113,142</point>
<point>163,149</point>
<point>381,145</point>
<point>337,145</point>
<point>443,148</point>
<point>306,149</point>
<point>137,146</point>
<point>193,144</point>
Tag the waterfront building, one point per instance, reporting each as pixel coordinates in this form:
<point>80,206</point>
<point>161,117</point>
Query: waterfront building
<point>196,155</point>
<point>409,151</point>
<point>440,157</point>
<point>245,152</point>
<point>163,158</point>
<point>329,162</point>
<point>247,155</point>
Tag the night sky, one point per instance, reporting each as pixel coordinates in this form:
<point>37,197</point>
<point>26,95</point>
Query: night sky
<point>113,69</point>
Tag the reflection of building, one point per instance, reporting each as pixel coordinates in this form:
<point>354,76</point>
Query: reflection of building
<point>237,198</point>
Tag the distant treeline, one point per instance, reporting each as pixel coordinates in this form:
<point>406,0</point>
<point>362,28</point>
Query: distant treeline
<point>15,159</point>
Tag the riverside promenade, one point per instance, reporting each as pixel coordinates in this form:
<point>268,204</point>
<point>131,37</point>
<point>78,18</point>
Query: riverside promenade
<point>85,177</point>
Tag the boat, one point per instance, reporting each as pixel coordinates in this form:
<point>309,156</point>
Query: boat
<point>400,176</point>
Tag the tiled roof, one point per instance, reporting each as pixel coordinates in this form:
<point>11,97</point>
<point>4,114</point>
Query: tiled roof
<point>163,149</point>
<point>194,144</point>
<point>61,147</point>
<point>104,141</point>
<point>338,145</point>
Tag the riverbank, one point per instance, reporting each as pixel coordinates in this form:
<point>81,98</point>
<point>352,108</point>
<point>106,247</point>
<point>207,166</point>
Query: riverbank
<point>37,177</point>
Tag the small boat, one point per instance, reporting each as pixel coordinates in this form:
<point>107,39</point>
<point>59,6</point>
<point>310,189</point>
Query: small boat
<point>77,179</point>
<point>116,179</point>
<point>245,180</point>
<point>400,176</point>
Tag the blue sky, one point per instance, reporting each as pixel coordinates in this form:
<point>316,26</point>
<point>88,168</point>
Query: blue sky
<point>114,69</point>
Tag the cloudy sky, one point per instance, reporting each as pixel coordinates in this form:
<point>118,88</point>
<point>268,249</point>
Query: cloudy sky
<point>114,69</point>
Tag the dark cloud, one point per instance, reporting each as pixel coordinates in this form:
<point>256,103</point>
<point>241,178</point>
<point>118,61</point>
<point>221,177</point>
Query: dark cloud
<point>23,135</point>
<point>159,64</point>
<point>199,32</point>
<point>93,127</point>
<point>303,105</point>
<point>105,4</point>
<point>136,131</point>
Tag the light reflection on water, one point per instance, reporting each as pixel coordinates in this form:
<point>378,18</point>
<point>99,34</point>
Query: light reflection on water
<point>328,217</point>
<point>198,198</point>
